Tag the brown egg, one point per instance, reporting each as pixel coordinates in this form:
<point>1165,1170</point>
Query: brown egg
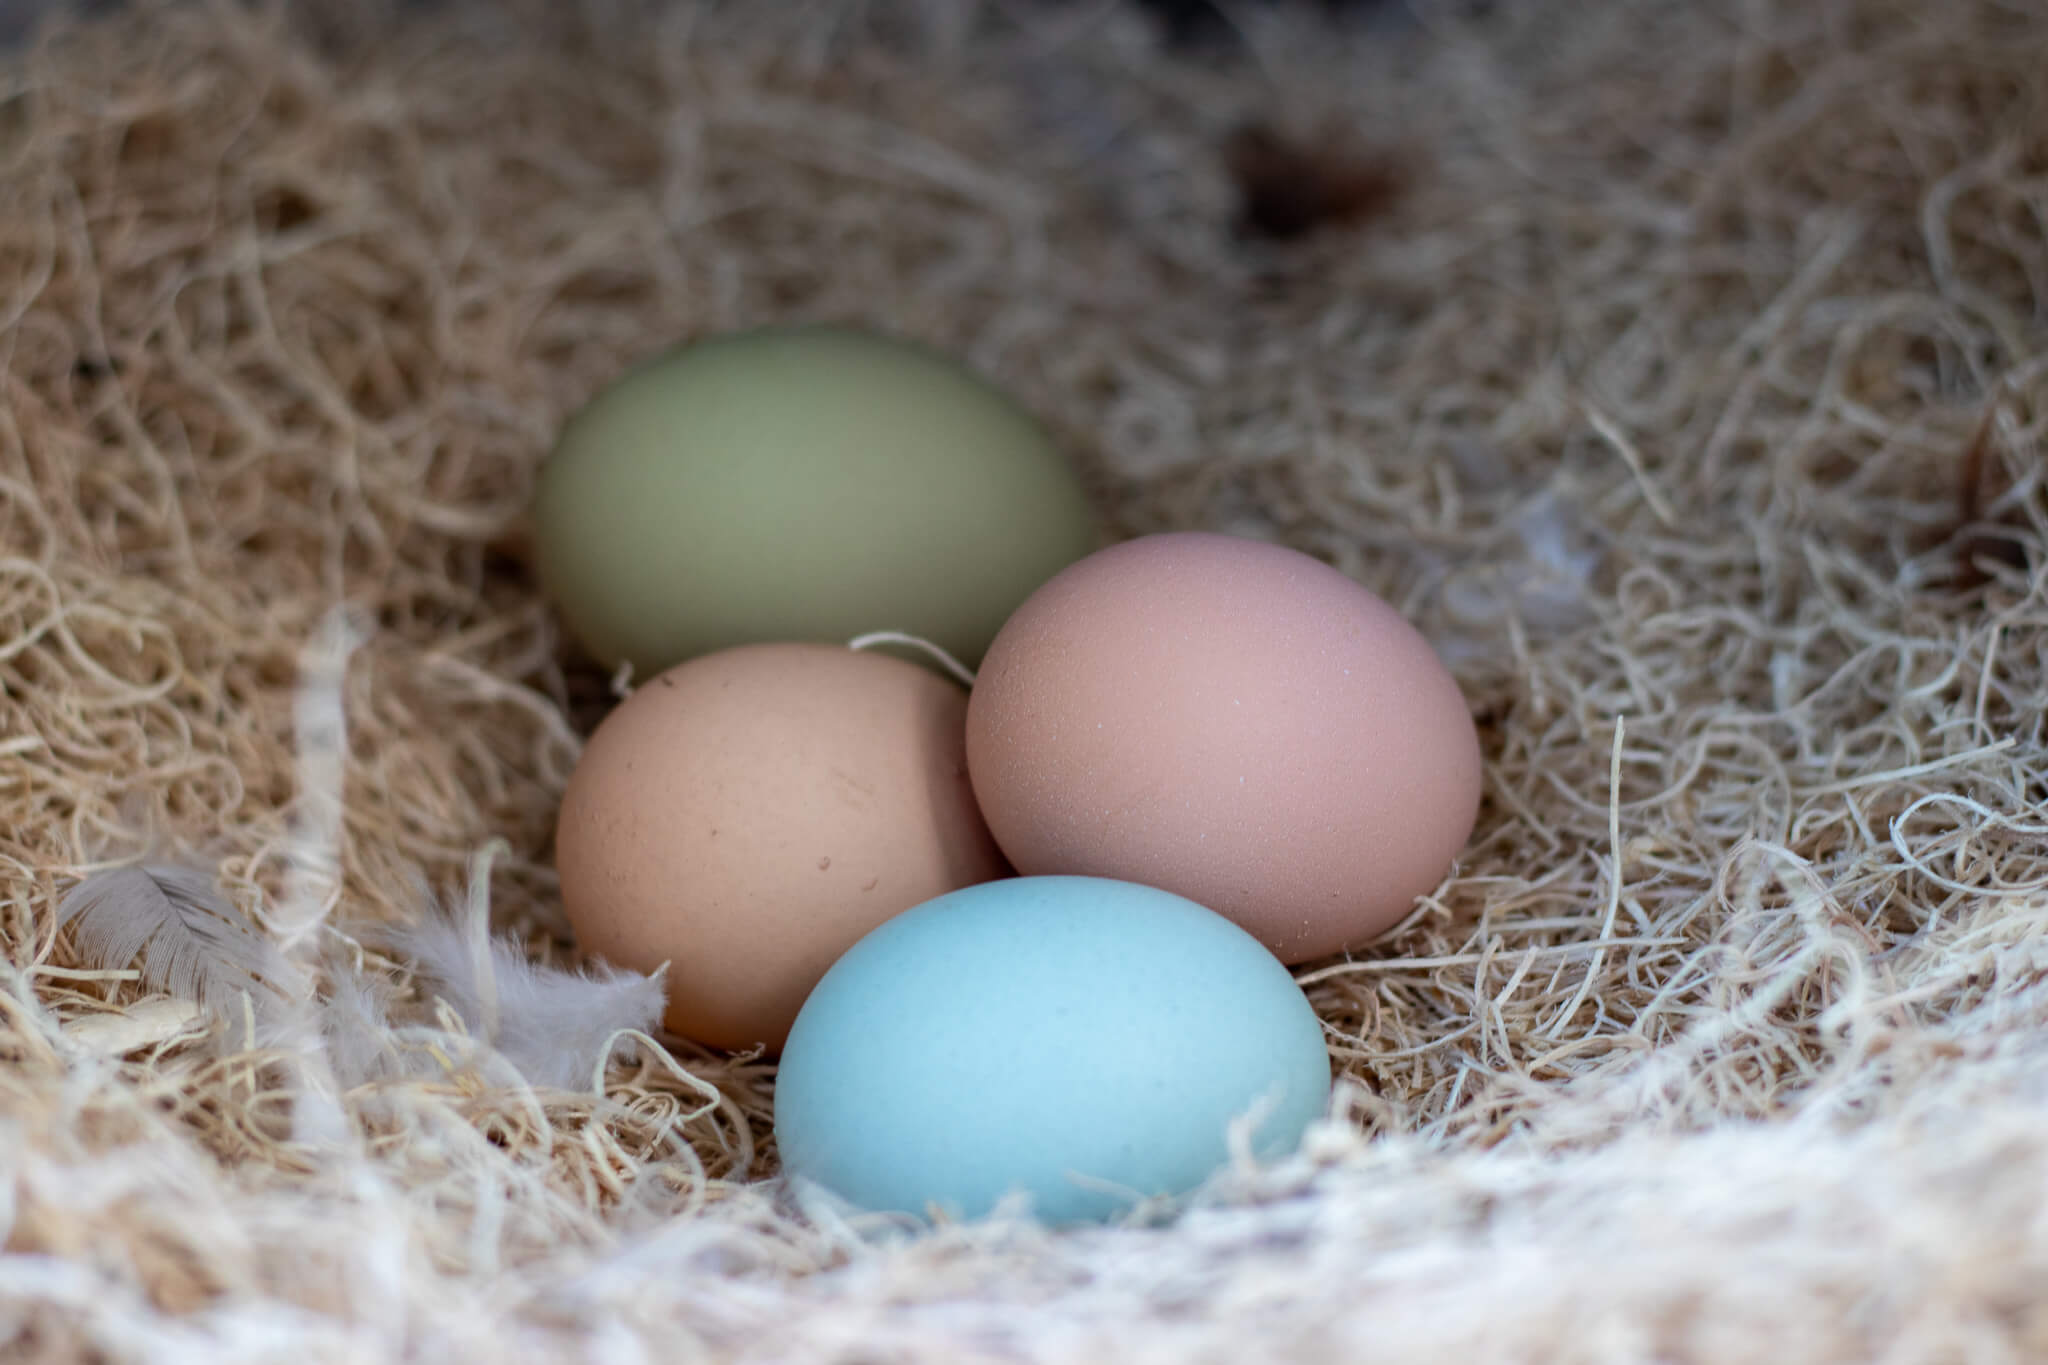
<point>747,815</point>
<point>1233,721</point>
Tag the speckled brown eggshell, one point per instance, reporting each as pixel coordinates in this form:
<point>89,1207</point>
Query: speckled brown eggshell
<point>1233,721</point>
<point>747,816</point>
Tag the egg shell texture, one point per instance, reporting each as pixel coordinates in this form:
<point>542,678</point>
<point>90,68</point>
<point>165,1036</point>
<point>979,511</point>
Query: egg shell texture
<point>1231,720</point>
<point>800,483</point>
<point>1083,1041</point>
<point>747,816</point>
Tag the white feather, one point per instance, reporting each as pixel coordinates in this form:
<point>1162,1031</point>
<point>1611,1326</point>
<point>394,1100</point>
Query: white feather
<point>553,1025</point>
<point>354,1024</point>
<point>357,1006</point>
<point>189,941</point>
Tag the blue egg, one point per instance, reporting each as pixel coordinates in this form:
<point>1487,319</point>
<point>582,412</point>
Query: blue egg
<point>1085,1041</point>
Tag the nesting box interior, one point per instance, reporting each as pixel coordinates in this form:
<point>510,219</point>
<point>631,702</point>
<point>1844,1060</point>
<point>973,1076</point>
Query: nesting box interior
<point>1679,370</point>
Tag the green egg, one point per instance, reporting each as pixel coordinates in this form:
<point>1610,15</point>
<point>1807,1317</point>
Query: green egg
<point>810,483</point>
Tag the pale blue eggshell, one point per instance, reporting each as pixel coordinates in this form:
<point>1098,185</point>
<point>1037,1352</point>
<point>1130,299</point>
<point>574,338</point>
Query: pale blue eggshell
<point>1082,1040</point>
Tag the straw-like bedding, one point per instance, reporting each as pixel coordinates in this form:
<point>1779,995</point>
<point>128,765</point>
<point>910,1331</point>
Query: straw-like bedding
<point>1690,394</point>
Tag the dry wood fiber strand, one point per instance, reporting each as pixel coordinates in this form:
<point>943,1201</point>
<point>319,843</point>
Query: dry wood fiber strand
<point>1692,398</point>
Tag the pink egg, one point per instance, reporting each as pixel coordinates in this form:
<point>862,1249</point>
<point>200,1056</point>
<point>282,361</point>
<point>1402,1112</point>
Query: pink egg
<point>1232,721</point>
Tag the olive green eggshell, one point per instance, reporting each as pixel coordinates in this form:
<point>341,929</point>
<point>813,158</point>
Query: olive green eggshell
<point>800,484</point>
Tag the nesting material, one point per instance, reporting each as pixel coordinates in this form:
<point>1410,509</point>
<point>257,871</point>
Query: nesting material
<point>1690,394</point>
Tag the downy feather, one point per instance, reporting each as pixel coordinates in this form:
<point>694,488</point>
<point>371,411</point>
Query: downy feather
<point>189,941</point>
<point>553,1025</point>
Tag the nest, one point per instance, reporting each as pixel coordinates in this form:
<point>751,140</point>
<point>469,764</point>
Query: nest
<point>1680,370</point>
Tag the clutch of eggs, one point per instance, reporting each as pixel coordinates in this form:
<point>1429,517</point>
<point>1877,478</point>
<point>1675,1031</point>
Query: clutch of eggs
<point>1193,745</point>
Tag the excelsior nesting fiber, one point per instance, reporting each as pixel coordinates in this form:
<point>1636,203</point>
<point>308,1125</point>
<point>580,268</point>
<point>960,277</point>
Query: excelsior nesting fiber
<point>1697,382</point>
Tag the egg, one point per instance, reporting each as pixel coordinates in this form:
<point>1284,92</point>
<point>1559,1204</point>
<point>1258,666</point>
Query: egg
<point>746,816</point>
<point>1080,1042</point>
<point>1231,720</point>
<point>805,484</point>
